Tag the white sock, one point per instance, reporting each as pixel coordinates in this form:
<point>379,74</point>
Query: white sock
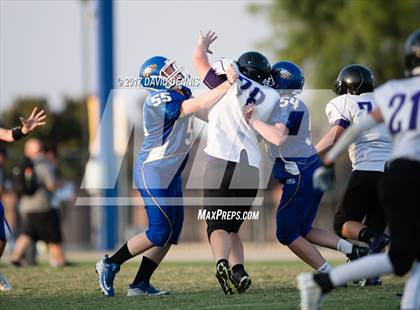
<point>344,246</point>
<point>411,297</point>
<point>325,268</point>
<point>363,268</point>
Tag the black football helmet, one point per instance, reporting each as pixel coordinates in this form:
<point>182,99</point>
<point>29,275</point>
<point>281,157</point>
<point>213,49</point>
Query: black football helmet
<point>255,66</point>
<point>354,80</point>
<point>412,54</point>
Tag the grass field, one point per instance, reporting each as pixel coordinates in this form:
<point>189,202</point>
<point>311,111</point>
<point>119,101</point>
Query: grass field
<point>192,286</point>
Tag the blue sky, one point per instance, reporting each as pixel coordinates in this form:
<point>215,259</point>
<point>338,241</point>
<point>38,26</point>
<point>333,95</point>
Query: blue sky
<point>41,41</point>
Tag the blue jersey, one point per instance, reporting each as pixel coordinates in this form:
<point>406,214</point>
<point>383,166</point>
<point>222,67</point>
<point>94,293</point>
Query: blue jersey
<point>297,152</point>
<point>167,136</point>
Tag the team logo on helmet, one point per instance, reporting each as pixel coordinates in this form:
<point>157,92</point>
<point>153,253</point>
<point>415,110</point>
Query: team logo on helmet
<point>285,74</point>
<point>148,70</point>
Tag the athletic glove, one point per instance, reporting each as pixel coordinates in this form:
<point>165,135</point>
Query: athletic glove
<point>324,177</point>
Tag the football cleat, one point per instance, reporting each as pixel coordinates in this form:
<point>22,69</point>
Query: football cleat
<point>224,276</point>
<point>144,289</point>
<point>378,242</point>
<point>357,252</point>
<point>242,281</point>
<point>106,275</point>
<point>4,284</point>
<point>371,282</point>
<point>310,291</point>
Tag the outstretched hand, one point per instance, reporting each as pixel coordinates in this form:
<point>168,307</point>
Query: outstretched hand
<point>206,40</point>
<point>36,119</point>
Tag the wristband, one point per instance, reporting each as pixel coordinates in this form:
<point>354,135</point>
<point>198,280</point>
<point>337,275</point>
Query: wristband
<point>17,133</point>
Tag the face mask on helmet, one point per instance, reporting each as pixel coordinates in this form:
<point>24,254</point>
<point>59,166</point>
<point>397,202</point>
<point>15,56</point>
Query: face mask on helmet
<point>255,74</point>
<point>174,76</point>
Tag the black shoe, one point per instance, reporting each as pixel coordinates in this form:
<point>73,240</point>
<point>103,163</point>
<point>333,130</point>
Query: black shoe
<point>378,242</point>
<point>242,281</point>
<point>357,252</point>
<point>16,263</point>
<point>377,281</point>
<point>224,275</point>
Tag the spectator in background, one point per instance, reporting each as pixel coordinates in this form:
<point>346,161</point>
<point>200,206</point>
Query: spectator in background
<point>51,156</point>
<point>40,220</point>
<point>3,158</point>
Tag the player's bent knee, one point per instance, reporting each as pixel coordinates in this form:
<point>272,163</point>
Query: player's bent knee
<point>159,237</point>
<point>286,239</point>
<point>287,233</point>
<point>213,228</point>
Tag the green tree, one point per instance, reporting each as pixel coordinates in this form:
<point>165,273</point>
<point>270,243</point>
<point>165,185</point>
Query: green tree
<point>327,35</point>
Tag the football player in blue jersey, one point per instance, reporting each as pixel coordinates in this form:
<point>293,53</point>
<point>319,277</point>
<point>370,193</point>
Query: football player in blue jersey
<point>36,119</point>
<point>295,159</point>
<point>168,118</point>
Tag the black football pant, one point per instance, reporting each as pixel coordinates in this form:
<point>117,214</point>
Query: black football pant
<point>361,201</point>
<point>229,181</point>
<point>399,193</point>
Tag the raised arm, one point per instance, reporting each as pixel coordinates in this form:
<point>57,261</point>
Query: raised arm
<point>205,101</point>
<point>6,135</point>
<point>200,59</point>
<point>36,119</point>
<point>275,134</point>
<point>208,99</point>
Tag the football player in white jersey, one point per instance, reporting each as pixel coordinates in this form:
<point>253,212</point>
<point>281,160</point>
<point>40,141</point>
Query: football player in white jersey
<point>36,119</point>
<point>288,139</point>
<point>360,215</point>
<point>398,107</point>
<point>234,154</point>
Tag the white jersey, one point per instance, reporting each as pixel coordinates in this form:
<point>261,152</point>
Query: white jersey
<point>228,132</point>
<point>399,102</point>
<point>373,147</point>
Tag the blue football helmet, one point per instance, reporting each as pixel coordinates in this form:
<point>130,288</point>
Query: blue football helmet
<point>160,72</point>
<point>286,75</point>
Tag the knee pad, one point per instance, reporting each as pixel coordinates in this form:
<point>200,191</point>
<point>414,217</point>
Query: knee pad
<point>401,263</point>
<point>159,236</point>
